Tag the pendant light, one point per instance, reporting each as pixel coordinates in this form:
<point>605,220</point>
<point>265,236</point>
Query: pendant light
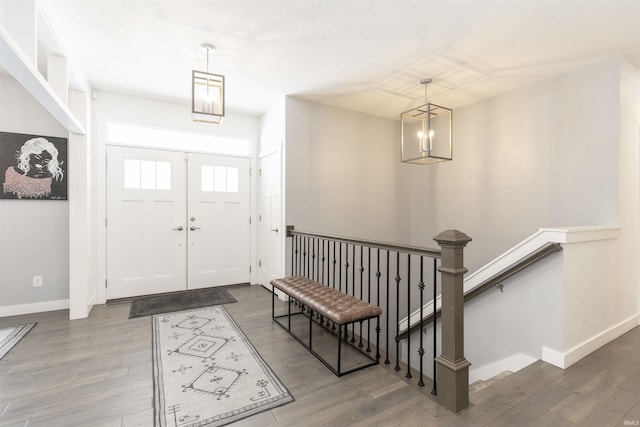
<point>426,133</point>
<point>207,93</point>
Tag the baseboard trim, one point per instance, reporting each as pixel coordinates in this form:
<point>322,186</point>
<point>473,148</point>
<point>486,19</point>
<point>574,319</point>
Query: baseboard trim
<point>36,307</point>
<point>512,363</point>
<point>568,358</point>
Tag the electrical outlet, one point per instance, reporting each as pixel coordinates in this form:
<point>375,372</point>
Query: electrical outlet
<point>37,281</point>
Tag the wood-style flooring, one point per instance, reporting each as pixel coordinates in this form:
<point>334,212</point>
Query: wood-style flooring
<point>97,372</point>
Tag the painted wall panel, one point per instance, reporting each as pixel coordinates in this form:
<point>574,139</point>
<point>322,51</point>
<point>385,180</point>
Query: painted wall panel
<point>344,175</point>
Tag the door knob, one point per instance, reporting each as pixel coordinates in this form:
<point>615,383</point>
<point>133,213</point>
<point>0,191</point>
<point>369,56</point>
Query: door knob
<point>194,228</point>
<point>274,229</point>
<point>179,228</point>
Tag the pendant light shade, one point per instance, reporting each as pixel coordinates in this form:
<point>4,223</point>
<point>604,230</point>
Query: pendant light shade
<point>426,133</point>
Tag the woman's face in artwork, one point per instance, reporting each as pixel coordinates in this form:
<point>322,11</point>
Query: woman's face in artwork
<point>39,164</point>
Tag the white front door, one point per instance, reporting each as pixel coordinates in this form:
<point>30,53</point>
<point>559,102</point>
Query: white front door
<point>175,221</point>
<point>146,227</point>
<point>270,226</point>
<point>219,220</point>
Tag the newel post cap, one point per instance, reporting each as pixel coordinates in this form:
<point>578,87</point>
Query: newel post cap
<point>452,237</point>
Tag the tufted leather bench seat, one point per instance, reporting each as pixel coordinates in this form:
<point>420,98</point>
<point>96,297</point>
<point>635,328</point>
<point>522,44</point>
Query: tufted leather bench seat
<point>338,307</point>
<point>334,305</point>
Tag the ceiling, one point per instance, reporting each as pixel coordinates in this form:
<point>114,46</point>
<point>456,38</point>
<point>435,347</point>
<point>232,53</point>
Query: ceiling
<point>362,55</point>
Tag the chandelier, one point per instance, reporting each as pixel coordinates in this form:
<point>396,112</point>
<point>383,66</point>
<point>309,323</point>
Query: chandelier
<point>207,93</point>
<point>426,133</point>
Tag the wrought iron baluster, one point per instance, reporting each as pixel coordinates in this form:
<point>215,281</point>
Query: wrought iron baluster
<point>318,261</point>
<point>323,260</point>
<point>421,349</point>
<point>346,269</point>
<point>313,259</point>
<point>361,280</point>
<point>295,257</point>
<point>309,242</point>
<point>334,265</point>
<point>386,361</point>
<point>369,297</point>
<point>398,280</point>
<point>328,263</point>
<point>353,288</point>
<point>378,274</point>
<point>340,268</point>
<point>294,254</point>
<point>333,325</point>
<point>304,257</point>
<point>346,283</point>
<point>408,375</point>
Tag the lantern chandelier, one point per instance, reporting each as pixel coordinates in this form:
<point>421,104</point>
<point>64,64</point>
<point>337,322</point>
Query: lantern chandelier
<point>207,93</point>
<point>426,133</point>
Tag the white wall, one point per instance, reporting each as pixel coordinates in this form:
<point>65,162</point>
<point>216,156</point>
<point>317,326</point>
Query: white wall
<point>272,129</point>
<point>629,252</point>
<point>343,173</point>
<point>512,326</point>
<point>34,234</point>
<point>545,155</point>
<point>153,113</point>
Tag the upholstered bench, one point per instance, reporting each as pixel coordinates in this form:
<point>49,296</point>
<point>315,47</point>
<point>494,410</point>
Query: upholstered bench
<point>331,304</point>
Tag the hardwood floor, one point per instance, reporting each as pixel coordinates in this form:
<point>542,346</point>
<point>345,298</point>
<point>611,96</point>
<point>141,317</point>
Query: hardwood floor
<point>97,372</point>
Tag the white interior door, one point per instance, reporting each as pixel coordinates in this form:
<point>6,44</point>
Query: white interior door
<point>270,226</point>
<point>218,221</point>
<point>146,229</point>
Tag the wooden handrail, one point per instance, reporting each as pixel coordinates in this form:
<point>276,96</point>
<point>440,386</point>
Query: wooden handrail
<point>416,250</point>
<point>494,280</point>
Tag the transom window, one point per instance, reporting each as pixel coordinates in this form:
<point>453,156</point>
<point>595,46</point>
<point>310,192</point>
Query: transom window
<point>141,136</point>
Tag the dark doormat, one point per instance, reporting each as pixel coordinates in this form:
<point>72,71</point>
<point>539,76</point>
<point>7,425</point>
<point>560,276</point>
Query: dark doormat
<point>177,301</point>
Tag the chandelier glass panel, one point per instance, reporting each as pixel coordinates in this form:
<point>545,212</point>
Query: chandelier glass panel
<point>207,94</point>
<point>426,133</point>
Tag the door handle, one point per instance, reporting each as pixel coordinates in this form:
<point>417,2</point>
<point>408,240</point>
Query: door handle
<point>179,228</point>
<point>274,229</point>
<point>194,228</point>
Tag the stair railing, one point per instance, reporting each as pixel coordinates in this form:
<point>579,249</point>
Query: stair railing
<point>396,278</point>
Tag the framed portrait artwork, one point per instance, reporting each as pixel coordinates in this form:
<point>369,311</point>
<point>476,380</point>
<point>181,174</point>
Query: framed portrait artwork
<point>33,167</point>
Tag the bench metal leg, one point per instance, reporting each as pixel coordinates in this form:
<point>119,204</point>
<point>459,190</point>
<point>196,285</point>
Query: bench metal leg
<point>310,329</point>
<point>340,349</point>
<point>377,338</point>
<point>273,303</point>
<point>289,316</point>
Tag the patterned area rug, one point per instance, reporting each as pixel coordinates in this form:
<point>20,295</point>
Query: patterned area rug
<point>207,373</point>
<point>9,337</point>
